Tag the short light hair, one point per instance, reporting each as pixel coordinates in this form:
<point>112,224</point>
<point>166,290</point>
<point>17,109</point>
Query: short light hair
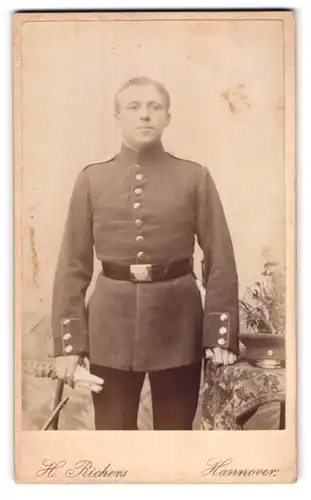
<point>143,80</point>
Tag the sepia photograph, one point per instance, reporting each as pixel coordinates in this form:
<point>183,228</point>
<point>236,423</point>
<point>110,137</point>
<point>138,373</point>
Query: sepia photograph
<point>154,239</point>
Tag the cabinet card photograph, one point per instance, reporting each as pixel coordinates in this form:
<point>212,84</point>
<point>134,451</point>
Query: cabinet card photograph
<point>155,335</point>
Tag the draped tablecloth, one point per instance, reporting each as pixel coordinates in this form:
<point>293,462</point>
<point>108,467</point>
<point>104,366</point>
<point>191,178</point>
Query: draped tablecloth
<point>231,394</point>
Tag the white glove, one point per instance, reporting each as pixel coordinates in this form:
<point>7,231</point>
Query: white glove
<point>83,378</point>
<point>69,369</point>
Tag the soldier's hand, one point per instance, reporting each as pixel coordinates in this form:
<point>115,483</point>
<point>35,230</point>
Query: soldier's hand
<point>65,368</point>
<point>220,356</point>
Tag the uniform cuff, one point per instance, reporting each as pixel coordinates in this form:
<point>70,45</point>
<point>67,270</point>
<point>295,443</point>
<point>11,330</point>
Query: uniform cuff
<point>219,332</point>
<point>73,339</point>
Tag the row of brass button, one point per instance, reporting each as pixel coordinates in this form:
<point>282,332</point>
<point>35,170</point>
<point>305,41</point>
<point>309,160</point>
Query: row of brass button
<point>137,205</point>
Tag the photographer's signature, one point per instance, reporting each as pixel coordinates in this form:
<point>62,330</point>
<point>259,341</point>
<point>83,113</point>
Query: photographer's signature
<point>82,468</point>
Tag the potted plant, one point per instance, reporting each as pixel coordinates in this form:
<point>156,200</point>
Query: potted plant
<point>263,311</point>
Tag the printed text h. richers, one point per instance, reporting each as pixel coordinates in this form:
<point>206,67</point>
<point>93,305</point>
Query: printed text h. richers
<point>82,468</point>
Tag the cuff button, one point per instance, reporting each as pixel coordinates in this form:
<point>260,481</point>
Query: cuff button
<point>68,349</point>
<point>221,341</point>
<point>66,321</point>
<point>223,317</point>
<point>67,336</point>
<point>222,330</point>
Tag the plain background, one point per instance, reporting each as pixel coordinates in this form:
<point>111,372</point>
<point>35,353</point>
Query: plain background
<point>6,302</point>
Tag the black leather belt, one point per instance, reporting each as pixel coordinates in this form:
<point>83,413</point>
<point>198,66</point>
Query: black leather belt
<point>142,273</point>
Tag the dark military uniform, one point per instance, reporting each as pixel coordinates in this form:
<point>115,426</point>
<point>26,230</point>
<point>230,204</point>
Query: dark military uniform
<point>144,208</point>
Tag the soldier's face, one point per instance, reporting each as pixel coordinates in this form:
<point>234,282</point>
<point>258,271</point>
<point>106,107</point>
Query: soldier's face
<point>142,114</point>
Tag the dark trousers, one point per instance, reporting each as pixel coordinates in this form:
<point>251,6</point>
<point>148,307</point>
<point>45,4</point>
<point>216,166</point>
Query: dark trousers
<point>174,395</point>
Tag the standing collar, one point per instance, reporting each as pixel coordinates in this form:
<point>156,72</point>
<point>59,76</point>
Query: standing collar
<point>150,154</point>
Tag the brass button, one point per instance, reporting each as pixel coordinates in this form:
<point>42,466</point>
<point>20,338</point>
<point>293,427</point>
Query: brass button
<point>137,205</point>
<point>221,341</point>
<point>139,177</point>
<point>140,255</point>
<point>139,239</point>
<point>223,317</point>
<point>222,330</point>
<point>67,336</point>
<point>68,349</point>
<point>66,321</point>
<point>138,191</point>
<point>270,352</point>
<point>138,222</point>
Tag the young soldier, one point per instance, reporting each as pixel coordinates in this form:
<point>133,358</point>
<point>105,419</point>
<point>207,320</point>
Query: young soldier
<point>141,211</point>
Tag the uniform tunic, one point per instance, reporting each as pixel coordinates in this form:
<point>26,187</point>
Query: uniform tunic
<point>144,207</point>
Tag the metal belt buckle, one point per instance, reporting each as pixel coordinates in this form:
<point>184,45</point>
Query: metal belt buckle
<point>141,272</point>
